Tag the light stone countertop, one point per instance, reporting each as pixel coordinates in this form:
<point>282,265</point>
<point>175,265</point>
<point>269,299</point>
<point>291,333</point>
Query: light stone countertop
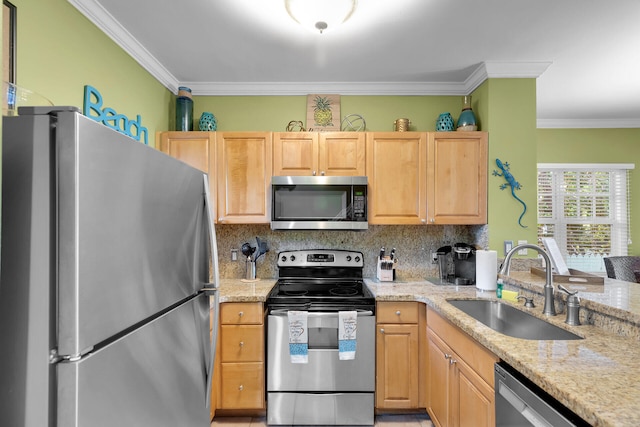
<point>598,377</point>
<point>239,290</point>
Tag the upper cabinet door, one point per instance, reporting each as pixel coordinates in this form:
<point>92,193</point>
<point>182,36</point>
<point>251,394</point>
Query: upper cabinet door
<point>319,153</point>
<point>197,149</point>
<point>342,154</point>
<point>457,178</point>
<point>295,153</point>
<point>397,174</point>
<point>244,177</point>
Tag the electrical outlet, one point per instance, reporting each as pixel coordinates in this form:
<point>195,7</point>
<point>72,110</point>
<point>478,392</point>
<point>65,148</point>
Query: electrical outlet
<point>522,251</point>
<point>508,245</point>
<point>434,257</point>
<point>234,254</point>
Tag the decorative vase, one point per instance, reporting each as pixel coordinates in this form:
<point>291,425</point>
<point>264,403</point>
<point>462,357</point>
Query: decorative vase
<point>208,122</point>
<point>467,120</point>
<point>444,123</point>
<point>184,109</point>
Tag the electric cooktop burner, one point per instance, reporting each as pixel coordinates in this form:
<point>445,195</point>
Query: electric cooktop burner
<point>320,280</point>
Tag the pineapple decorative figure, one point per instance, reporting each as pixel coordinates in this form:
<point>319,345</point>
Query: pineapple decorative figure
<point>323,112</point>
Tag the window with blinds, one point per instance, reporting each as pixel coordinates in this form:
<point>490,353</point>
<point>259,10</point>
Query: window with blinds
<point>585,208</point>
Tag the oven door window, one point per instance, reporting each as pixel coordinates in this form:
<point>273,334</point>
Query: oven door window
<point>306,202</point>
<point>323,338</point>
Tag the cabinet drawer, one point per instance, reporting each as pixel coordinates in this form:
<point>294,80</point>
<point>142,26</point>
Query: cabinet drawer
<point>242,386</point>
<point>474,354</point>
<point>241,343</point>
<point>241,313</point>
<point>397,312</point>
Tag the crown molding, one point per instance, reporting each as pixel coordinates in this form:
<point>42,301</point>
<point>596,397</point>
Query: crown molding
<point>97,14</point>
<point>343,88</point>
<point>587,123</point>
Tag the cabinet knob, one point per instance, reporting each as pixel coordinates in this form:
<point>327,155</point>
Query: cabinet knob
<point>433,220</point>
<point>322,173</point>
<point>447,356</point>
<point>424,220</point>
<point>452,361</point>
<point>241,343</point>
<point>382,330</point>
<point>398,313</point>
<point>313,173</point>
<point>241,387</point>
<point>240,313</point>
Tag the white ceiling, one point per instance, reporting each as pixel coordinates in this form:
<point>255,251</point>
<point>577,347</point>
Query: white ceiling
<point>585,54</point>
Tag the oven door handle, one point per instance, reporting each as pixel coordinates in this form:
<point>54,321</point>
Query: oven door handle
<point>283,312</point>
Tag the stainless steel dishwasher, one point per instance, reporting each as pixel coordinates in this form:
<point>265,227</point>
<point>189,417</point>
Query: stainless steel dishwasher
<point>520,403</point>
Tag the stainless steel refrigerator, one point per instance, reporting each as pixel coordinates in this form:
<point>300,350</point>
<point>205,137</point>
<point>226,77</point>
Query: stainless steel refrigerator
<point>108,273</point>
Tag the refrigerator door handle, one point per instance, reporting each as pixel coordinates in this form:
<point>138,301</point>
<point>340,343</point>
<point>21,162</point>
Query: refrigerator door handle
<point>216,284</point>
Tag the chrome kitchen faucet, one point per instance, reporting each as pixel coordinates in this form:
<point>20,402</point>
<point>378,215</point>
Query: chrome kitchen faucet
<point>549,305</point>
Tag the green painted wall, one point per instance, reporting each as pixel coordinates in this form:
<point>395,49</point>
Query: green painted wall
<point>59,51</point>
<point>596,146</point>
<point>511,123</point>
<point>273,113</point>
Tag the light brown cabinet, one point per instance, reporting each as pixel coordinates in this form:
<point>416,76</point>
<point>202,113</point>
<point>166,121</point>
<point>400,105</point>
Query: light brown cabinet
<point>460,372</point>
<point>414,177</point>
<point>427,177</point>
<point>457,177</point>
<point>319,153</point>
<point>397,174</point>
<point>239,165</point>
<point>241,356</point>
<point>399,359</point>
<point>197,149</point>
<point>244,177</point>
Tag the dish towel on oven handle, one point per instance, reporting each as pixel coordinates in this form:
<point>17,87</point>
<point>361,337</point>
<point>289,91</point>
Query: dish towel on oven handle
<point>298,337</point>
<point>347,327</point>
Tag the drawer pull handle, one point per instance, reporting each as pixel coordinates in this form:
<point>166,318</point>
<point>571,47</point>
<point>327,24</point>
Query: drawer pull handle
<point>241,343</point>
<point>241,387</point>
<point>240,313</point>
<point>398,313</point>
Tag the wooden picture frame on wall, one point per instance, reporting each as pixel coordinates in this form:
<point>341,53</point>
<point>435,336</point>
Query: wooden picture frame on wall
<point>9,19</point>
<point>323,112</point>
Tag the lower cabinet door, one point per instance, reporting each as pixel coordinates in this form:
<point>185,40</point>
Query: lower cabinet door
<point>397,366</point>
<point>242,386</point>
<point>439,380</point>
<point>475,403</point>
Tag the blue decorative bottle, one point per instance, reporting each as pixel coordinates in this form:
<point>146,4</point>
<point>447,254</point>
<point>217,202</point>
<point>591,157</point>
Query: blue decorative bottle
<point>467,120</point>
<point>184,109</point>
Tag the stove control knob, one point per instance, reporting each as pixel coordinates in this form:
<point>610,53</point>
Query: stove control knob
<point>283,259</point>
<point>292,258</point>
<point>348,257</point>
<point>357,259</point>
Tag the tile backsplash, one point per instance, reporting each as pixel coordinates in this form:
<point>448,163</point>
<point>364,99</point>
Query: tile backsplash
<point>413,243</point>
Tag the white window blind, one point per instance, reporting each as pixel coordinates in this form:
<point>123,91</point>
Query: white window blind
<point>585,208</point>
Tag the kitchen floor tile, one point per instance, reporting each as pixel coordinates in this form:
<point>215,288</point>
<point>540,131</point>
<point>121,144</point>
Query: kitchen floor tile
<point>409,420</point>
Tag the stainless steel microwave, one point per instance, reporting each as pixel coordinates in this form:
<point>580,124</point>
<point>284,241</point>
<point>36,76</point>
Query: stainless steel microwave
<point>319,203</point>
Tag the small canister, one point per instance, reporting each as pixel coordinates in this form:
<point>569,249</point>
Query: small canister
<point>401,125</point>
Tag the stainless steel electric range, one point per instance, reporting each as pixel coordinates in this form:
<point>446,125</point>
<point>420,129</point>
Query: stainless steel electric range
<point>325,390</point>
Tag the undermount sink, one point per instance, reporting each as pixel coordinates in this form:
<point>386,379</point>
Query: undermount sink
<point>508,320</point>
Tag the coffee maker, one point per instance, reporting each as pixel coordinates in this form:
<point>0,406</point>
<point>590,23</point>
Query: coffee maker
<point>464,262</point>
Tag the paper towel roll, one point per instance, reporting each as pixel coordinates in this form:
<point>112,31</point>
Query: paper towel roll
<point>486,270</point>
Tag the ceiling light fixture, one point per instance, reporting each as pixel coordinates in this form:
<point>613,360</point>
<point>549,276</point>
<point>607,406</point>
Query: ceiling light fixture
<point>320,15</point>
